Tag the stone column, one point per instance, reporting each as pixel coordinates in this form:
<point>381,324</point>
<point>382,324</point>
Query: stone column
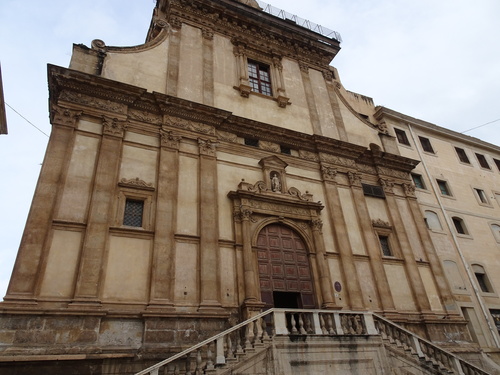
<point>174,54</point>
<point>436,267</point>
<point>339,122</point>
<point>100,212</point>
<point>414,278</point>
<point>208,67</point>
<point>342,239</point>
<point>325,280</point>
<point>209,228</point>
<point>373,248</point>
<point>163,272</point>
<point>251,291</point>
<point>23,282</point>
<point>311,103</point>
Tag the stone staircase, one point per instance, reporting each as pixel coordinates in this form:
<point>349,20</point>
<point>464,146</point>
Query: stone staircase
<point>316,341</point>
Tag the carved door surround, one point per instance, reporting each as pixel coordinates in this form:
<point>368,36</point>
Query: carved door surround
<point>257,205</point>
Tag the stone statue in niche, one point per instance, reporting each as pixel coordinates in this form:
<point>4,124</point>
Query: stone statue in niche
<point>275,183</point>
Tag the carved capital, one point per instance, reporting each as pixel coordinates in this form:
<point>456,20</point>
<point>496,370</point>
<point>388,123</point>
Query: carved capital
<point>316,224</point>
<point>283,101</point>
<point>327,75</point>
<point>207,147</point>
<point>354,178</point>
<point>387,185</point>
<point>64,116</point>
<point>176,23</point>
<point>277,63</point>
<point>409,190</point>
<point>113,127</point>
<point>170,139</point>
<point>304,67</point>
<point>207,34</point>
<point>329,173</point>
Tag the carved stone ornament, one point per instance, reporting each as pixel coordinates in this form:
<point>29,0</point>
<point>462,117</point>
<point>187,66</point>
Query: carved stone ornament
<point>388,185</point>
<point>113,127</point>
<point>207,147</point>
<point>327,75</point>
<point>409,190</point>
<point>106,105</point>
<point>64,116</point>
<point>381,224</point>
<point>303,67</point>
<point>245,90</point>
<point>307,155</point>
<point>136,183</point>
<point>261,187</point>
<point>189,125</point>
<point>269,146</point>
<point>329,173</point>
<point>393,173</point>
<point>283,101</point>
<point>145,116</point>
<point>207,34</point>
<point>170,139</point>
<point>160,22</point>
<point>354,178</point>
<point>382,127</point>
<point>176,23</point>
<point>98,45</point>
<point>226,136</point>
<point>338,161</point>
<point>317,224</point>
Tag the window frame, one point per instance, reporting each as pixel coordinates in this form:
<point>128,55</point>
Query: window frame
<point>420,178</point>
<point>462,155</point>
<point>481,197</point>
<point>427,214</point>
<point>483,163</point>
<point>495,228</point>
<point>485,285</point>
<point>129,216</point>
<point>497,163</point>
<point>426,144</point>
<point>402,137</point>
<point>261,83</point>
<point>135,193</point>
<point>439,182</point>
<point>460,226</point>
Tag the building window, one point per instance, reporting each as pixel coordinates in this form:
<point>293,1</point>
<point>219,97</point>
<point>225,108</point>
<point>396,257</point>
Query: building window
<point>497,162</point>
<point>432,221</point>
<point>443,187</point>
<point>285,150</point>
<point>459,225</point>
<point>384,244</point>
<point>482,278</point>
<point>401,136</point>
<point>373,191</point>
<point>482,161</point>
<point>252,142</point>
<point>496,231</point>
<point>481,195</point>
<point>259,77</point>
<point>462,155</point>
<point>426,144</point>
<point>134,210</point>
<point>496,317</point>
<point>418,180</point>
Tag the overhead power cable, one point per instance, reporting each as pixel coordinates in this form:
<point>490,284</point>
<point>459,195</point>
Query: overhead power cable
<point>28,121</point>
<point>480,126</point>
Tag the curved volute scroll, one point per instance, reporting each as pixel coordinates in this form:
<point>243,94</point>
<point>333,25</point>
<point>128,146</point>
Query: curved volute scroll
<point>250,3</point>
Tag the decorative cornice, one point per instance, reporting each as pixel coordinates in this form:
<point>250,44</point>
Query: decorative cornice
<point>113,127</point>
<point>379,223</point>
<point>136,183</point>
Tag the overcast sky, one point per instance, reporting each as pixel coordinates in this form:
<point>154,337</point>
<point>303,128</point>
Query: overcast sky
<point>436,60</point>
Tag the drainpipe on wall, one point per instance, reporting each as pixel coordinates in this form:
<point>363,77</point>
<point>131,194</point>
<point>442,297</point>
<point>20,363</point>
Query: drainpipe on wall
<point>472,278</point>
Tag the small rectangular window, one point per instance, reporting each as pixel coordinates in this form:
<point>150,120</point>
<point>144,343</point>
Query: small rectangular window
<point>285,150</point>
<point>462,155</point>
<point>384,244</point>
<point>497,162</point>
<point>459,225</point>
<point>373,191</point>
<point>483,283</point>
<point>134,210</point>
<point>401,136</point>
<point>443,187</point>
<point>418,180</point>
<point>259,77</point>
<point>482,196</point>
<point>426,144</point>
<point>252,142</point>
<point>482,161</point>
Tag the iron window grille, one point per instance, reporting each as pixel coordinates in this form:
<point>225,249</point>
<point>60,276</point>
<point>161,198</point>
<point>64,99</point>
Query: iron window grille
<point>134,210</point>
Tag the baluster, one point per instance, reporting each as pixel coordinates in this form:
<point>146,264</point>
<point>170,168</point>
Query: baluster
<point>301,324</point>
<point>239,348</point>
<point>176,370</point>
<point>331,325</point>
<point>249,336</point>
<point>188,365</point>
<point>228,346</point>
<point>322,324</point>
<point>293,323</point>
<point>170,369</point>
<point>210,357</point>
<point>308,324</point>
<point>198,370</point>
<point>265,336</point>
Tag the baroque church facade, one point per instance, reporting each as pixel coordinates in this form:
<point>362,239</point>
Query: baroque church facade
<point>216,171</point>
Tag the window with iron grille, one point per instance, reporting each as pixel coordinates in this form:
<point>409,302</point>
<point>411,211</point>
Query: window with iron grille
<point>426,144</point>
<point>259,77</point>
<point>373,191</point>
<point>384,244</point>
<point>401,136</point>
<point>462,155</point>
<point>134,210</point>
<point>482,161</point>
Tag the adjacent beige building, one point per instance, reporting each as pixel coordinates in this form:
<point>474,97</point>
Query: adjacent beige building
<point>221,169</point>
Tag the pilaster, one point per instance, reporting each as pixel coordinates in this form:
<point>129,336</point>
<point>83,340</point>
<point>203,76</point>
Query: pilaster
<point>208,67</point>
<point>174,54</point>
<point>311,103</point>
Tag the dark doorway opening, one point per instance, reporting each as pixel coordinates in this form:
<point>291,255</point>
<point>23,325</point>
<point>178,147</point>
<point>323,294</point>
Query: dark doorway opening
<point>287,300</point>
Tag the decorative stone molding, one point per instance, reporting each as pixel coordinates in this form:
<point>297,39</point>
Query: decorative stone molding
<point>328,75</point>
<point>169,139</point>
<point>329,173</point>
<point>160,22</point>
<point>379,223</point>
<point>176,23</point>
<point>382,127</point>
<point>189,125</point>
<point>308,155</point>
<point>88,101</point>
<point>136,183</point>
<point>207,147</point>
<point>317,224</point>
<point>387,185</point>
<point>207,34</point>
<point>409,190</point>
<point>145,116</point>
<point>226,136</point>
<point>261,187</point>
<point>354,178</point>
<point>303,67</point>
<point>393,173</point>
<point>338,160</point>
<point>113,127</point>
<point>269,146</point>
<point>64,116</point>
<point>98,45</point>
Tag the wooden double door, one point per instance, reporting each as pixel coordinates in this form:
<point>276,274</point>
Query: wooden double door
<point>284,269</point>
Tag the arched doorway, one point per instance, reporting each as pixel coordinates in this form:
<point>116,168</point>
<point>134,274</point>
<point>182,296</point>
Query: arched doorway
<point>284,270</point>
